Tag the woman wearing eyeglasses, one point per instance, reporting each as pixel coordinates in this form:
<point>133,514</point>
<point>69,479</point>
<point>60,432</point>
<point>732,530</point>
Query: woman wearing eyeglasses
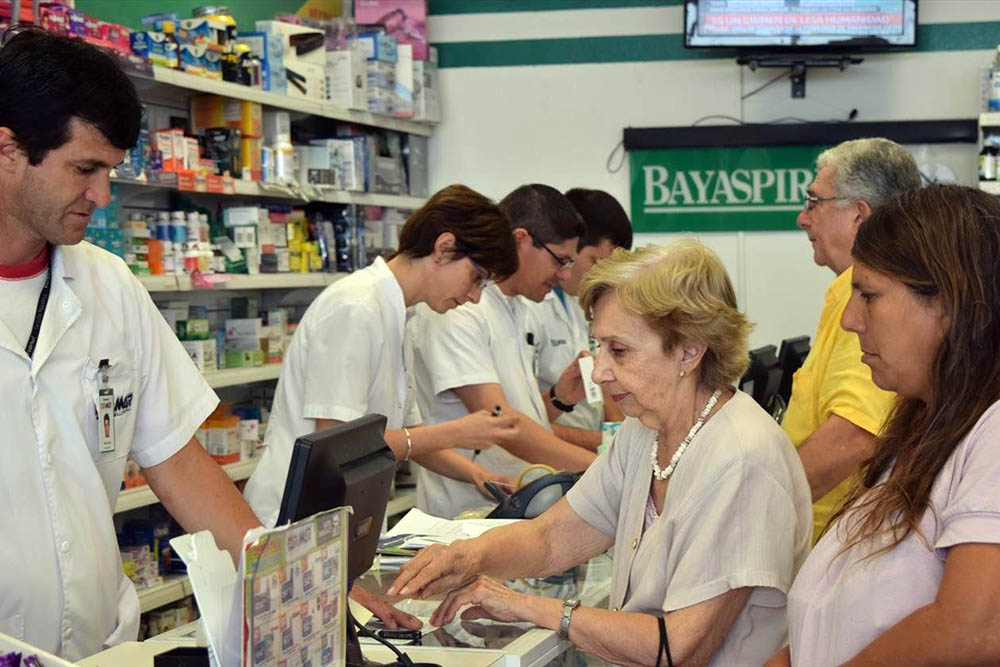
<point>347,360</point>
<point>908,572</point>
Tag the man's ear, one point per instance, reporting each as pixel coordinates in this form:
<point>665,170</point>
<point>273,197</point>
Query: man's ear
<point>444,246</point>
<point>11,152</point>
<point>864,211</point>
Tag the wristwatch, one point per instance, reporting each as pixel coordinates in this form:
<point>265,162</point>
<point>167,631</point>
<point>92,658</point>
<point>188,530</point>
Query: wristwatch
<point>556,403</point>
<point>568,607</point>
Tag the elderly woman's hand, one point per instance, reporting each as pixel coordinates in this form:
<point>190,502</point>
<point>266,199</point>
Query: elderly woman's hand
<point>489,599</point>
<point>436,569</point>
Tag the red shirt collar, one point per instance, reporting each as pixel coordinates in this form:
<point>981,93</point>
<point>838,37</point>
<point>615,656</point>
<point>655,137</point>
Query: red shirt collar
<point>28,269</point>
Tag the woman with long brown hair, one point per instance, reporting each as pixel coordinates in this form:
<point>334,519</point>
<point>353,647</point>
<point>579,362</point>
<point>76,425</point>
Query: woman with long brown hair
<point>908,572</point>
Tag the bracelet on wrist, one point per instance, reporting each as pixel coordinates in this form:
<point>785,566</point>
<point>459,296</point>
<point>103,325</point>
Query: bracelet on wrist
<point>557,404</point>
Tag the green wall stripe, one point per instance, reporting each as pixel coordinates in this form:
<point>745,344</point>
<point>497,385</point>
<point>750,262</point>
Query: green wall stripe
<point>438,7</point>
<point>644,48</point>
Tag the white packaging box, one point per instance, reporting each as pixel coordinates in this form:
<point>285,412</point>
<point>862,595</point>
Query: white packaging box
<point>283,260</point>
<point>245,237</point>
<point>243,343</point>
<point>347,79</point>
<point>290,54</point>
<point>241,216</point>
<point>310,82</point>
<point>249,327</point>
<point>426,96</point>
<point>403,100</point>
<point>271,233</point>
<point>277,124</point>
<point>344,158</point>
<point>202,353</point>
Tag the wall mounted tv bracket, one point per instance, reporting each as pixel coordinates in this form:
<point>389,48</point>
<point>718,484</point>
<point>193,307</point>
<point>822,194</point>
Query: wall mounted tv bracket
<point>798,64</point>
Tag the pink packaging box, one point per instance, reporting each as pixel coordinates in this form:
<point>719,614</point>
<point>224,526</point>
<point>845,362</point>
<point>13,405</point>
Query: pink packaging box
<point>406,20</point>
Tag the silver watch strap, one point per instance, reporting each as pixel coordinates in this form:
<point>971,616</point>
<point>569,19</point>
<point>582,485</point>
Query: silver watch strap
<point>567,611</point>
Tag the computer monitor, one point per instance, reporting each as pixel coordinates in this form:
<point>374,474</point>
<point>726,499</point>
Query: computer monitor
<point>346,464</point>
<point>793,353</point>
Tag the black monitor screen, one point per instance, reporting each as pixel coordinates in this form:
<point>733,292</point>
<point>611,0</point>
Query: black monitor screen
<point>347,464</point>
<point>800,24</point>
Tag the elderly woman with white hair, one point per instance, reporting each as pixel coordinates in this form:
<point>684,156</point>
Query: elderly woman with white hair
<point>701,494</point>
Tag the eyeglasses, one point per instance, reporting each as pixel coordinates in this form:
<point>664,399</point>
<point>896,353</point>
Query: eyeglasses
<point>562,262</point>
<point>812,201</point>
<point>482,274</point>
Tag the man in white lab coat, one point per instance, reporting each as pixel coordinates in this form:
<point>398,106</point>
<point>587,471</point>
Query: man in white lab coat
<point>479,356</point>
<point>558,325</point>
<point>81,345</point>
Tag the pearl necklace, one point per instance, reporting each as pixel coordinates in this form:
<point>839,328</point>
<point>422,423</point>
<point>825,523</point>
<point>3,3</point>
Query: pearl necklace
<point>653,455</point>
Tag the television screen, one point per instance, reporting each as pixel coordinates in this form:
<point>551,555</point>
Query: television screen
<point>828,25</point>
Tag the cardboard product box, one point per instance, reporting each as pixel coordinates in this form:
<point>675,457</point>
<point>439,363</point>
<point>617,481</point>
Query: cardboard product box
<point>347,160</point>
<point>284,260</point>
<point>319,166</point>
<point>403,100</point>
<point>378,46</point>
<point>192,57</point>
<point>248,327</point>
<point>243,343</point>
<point>250,158</point>
<point>426,96</point>
<point>242,216</point>
<point>179,147</point>
<point>299,43</point>
<point>267,47</point>
<point>192,153</point>
<point>415,154</point>
<point>163,141</point>
<point>306,80</point>
<point>217,111</point>
<point>244,358</point>
<point>404,20</point>
<point>202,353</point>
<point>271,234</point>
<point>244,237</point>
<point>347,78</point>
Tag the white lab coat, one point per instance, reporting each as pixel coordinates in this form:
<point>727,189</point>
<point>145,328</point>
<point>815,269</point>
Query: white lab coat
<point>560,332</point>
<point>61,582</point>
<point>346,360</point>
<point>472,344</point>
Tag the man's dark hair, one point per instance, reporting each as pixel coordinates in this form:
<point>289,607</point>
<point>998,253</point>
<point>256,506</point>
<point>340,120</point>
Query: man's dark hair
<point>544,212</point>
<point>47,80</point>
<point>482,232</point>
<point>603,217</point>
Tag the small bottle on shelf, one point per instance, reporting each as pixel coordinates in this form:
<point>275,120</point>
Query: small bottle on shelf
<point>988,160</point>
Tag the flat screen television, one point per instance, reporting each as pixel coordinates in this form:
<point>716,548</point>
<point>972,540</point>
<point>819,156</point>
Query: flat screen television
<point>825,26</point>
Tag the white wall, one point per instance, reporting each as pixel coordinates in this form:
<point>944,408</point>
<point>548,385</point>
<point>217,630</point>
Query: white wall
<point>557,124</point>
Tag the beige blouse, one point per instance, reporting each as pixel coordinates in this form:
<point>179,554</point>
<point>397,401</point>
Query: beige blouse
<point>737,513</point>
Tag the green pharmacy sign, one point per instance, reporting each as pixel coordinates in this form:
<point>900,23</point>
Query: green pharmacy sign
<point>720,189</point>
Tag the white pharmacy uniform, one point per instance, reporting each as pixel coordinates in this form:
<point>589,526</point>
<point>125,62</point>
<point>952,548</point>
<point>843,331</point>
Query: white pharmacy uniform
<point>61,582</point>
<point>473,344</point>
<point>560,332</point>
<point>345,361</point>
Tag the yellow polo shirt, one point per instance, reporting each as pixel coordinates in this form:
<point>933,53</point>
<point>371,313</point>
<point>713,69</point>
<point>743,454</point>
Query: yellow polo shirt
<point>834,381</point>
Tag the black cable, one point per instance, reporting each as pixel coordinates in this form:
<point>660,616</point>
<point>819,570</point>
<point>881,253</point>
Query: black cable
<point>769,82</point>
<point>365,632</point>
<point>717,115</point>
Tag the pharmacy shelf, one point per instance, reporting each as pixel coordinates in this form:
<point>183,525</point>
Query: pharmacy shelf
<point>129,499</point>
<point>992,187</point>
<point>237,281</point>
<point>152,90</point>
<point>229,377</point>
<point>174,587</point>
<point>275,191</point>
<point>989,119</point>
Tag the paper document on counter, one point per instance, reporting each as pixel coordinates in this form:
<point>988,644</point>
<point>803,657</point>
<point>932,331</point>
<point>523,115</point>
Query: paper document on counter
<point>426,530</point>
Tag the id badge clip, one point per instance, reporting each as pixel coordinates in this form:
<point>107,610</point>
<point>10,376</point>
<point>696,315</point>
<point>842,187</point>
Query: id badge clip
<point>105,410</point>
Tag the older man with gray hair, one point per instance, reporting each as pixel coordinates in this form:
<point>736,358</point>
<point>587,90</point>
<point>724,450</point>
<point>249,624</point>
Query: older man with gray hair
<point>835,410</point>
